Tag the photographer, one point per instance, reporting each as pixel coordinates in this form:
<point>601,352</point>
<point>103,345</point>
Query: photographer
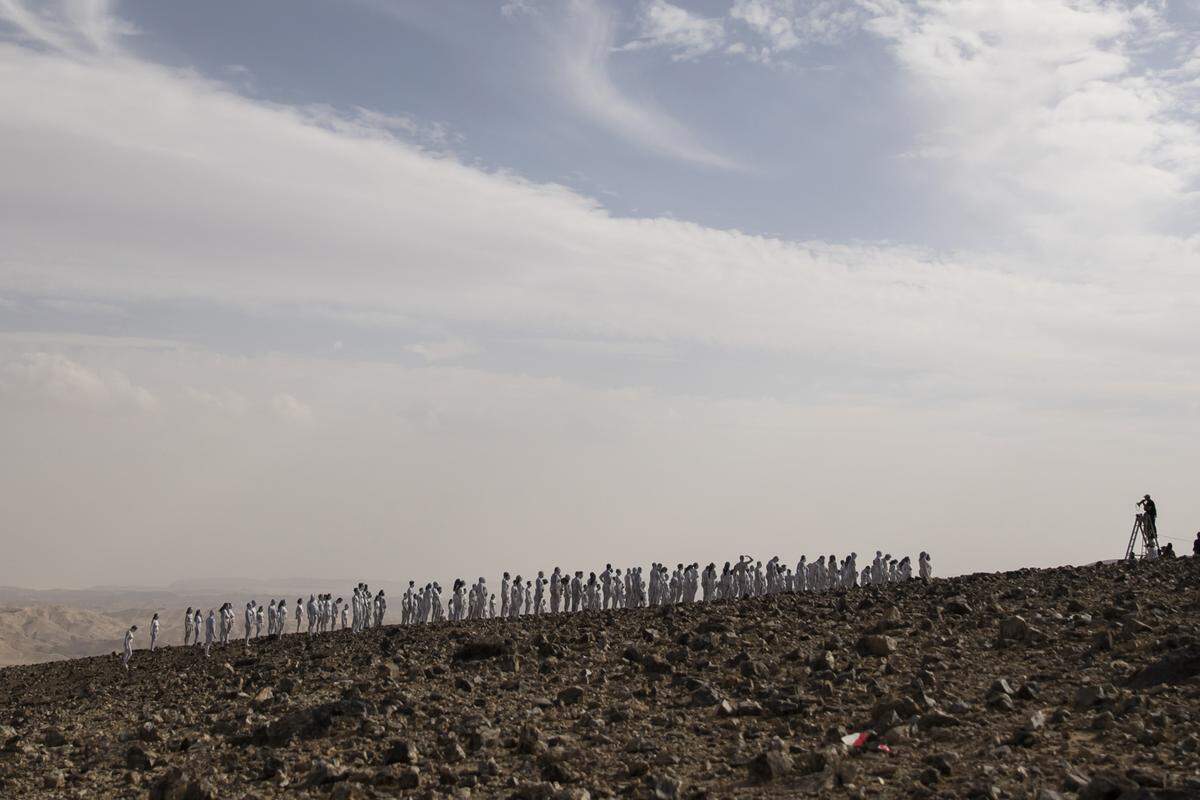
<point>1151,515</point>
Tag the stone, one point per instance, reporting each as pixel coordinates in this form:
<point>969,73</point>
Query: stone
<point>656,665</point>
<point>1013,629</point>
<point>324,772</point>
<point>138,758</point>
<point>1106,786</point>
<point>958,605</point>
<point>1177,666</point>
<point>483,648</point>
<point>570,695</point>
<point>769,766</point>
<point>937,719</point>
<point>400,751</point>
<point>1088,696</point>
<point>876,645</point>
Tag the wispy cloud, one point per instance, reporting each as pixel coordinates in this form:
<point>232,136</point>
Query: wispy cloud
<point>52,377</point>
<point>291,410</point>
<point>687,36</point>
<point>582,37</point>
<point>444,350</point>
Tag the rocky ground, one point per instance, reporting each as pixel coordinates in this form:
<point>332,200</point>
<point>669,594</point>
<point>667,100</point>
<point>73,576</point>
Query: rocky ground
<point>1072,682</point>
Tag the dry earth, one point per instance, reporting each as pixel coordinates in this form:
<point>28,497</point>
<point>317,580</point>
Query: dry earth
<point>1073,682</point>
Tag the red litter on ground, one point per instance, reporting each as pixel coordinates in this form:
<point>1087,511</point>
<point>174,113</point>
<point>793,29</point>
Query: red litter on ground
<point>865,740</point>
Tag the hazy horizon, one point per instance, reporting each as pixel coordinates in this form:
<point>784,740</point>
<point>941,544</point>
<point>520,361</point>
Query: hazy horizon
<point>435,290</point>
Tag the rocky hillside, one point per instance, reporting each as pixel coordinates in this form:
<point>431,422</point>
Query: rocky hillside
<point>1071,682</point>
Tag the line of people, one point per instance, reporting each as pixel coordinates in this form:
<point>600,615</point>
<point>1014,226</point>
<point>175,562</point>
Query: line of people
<point>565,592</point>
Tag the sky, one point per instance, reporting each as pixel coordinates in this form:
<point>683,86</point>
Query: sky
<point>395,290</point>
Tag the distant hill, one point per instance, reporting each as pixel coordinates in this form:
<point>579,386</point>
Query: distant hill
<point>33,634</point>
<point>38,625</point>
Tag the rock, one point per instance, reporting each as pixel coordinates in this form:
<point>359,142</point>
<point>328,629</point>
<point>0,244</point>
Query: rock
<point>484,648</point>
<point>1089,696</point>
<point>876,645</point>
<point>657,665</point>
<point>937,719</point>
<point>174,785</point>
<point>957,605</point>
<point>530,741</point>
<point>822,661</point>
<point>1175,667</point>
<point>137,758</point>
<point>400,751</point>
<point>325,772</point>
<point>264,695</point>
<point>1002,702</point>
<point>570,695</point>
<point>664,786</point>
<point>705,695</point>
<point>399,776</point>
<point>943,762</point>
<point>769,766</point>
<point>1106,786</point>
<point>1013,629</point>
<point>54,738</point>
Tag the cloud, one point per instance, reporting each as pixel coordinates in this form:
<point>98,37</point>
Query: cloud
<point>1053,117</point>
<point>82,307</point>
<point>758,30</point>
<point>78,27</point>
<point>782,25</point>
<point>445,350</point>
<point>582,37</point>
<point>187,189</point>
<point>687,36</point>
<point>889,368</point>
<point>289,409</point>
<point>516,8</point>
<point>44,376</point>
<point>224,401</point>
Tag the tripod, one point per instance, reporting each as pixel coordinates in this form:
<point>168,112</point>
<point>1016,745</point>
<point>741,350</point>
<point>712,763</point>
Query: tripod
<point>1143,539</point>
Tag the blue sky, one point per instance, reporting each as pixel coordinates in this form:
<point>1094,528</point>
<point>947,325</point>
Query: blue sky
<point>474,283</point>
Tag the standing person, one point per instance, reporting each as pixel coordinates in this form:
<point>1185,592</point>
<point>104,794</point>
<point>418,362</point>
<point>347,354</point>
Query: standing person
<point>1196,546</point>
<point>299,612</point>
<point>128,647</point>
<point>556,588</point>
<point>154,632</point>
<point>187,623</point>
<point>923,567</point>
<point>197,622</point>
<point>1150,515</point>
<point>210,632</point>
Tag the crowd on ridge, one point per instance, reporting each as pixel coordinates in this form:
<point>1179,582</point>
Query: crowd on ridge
<point>566,592</point>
